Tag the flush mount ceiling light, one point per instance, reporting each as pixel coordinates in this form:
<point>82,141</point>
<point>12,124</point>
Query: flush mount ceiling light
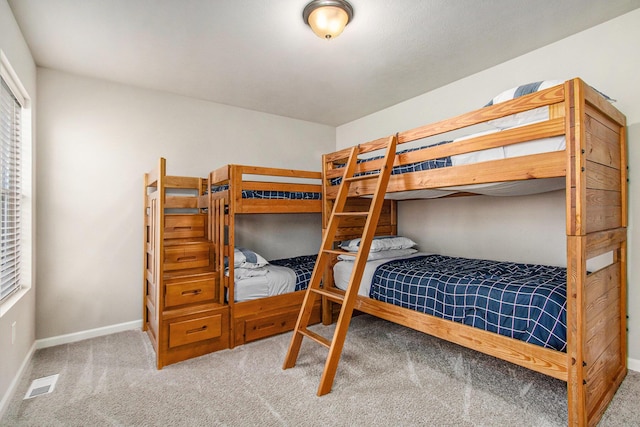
<point>327,18</point>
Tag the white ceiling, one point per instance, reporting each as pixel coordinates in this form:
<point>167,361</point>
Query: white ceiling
<point>258,54</point>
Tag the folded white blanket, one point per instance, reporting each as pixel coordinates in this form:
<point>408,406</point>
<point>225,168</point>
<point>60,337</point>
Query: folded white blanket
<point>276,280</point>
<point>243,273</point>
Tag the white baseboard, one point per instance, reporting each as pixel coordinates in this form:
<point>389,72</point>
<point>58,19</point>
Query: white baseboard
<point>91,333</point>
<point>4,403</point>
<point>633,364</point>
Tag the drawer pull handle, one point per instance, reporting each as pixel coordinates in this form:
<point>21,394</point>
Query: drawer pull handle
<point>196,330</point>
<point>263,326</point>
<point>186,258</point>
<point>182,228</point>
<point>192,292</point>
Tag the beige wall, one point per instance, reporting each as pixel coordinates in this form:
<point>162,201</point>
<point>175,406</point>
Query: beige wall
<point>96,141</point>
<point>523,228</point>
<point>22,313</point>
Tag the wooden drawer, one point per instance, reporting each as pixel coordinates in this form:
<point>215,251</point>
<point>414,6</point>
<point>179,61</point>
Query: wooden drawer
<point>190,331</point>
<point>181,226</point>
<point>188,291</point>
<point>272,324</point>
<point>192,255</point>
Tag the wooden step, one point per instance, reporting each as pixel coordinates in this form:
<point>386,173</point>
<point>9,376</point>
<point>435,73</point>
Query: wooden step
<point>186,242</point>
<point>339,252</point>
<point>331,294</point>
<point>351,214</point>
<point>362,177</point>
<point>316,337</point>
<point>192,310</point>
<point>190,273</point>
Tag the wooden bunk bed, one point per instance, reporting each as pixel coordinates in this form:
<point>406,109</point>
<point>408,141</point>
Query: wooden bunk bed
<point>592,166</point>
<point>241,190</point>
<point>183,309</point>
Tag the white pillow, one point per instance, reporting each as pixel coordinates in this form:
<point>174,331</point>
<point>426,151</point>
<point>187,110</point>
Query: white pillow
<point>245,258</point>
<point>380,243</point>
<point>393,253</point>
<point>525,117</point>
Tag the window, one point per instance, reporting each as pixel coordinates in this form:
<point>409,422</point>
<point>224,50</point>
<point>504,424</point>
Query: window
<point>12,103</point>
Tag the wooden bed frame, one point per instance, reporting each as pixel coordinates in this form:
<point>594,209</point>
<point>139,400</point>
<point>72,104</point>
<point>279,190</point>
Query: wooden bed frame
<point>595,167</point>
<point>260,318</point>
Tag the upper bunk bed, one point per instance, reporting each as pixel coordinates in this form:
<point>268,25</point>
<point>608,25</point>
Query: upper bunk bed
<point>264,297</point>
<point>257,189</point>
<point>567,136</point>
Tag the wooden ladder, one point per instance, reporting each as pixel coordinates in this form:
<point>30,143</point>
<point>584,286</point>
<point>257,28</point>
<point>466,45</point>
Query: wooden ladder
<point>348,298</point>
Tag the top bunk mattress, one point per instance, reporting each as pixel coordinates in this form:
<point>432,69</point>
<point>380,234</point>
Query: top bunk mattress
<point>515,188</point>
<point>272,195</point>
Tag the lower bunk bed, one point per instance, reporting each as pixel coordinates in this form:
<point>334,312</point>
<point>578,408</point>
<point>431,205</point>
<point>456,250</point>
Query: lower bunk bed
<point>588,350</point>
<point>264,297</point>
<point>267,296</point>
<point>521,301</point>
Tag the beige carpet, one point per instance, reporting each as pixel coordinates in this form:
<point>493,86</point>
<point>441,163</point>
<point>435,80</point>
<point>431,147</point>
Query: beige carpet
<point>388,376</point>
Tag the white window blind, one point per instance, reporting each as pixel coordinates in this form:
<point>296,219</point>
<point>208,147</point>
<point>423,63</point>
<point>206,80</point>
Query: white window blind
<point>10,168</point>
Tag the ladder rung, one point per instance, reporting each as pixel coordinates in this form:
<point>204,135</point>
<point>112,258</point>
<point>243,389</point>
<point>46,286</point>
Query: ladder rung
<point>350,214</point>
<point>362,177</point>
<point>339,252</point>
<point>331,294</point>
<point>316,337</point>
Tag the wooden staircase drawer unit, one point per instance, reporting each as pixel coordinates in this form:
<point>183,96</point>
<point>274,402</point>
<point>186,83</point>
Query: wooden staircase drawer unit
<point>188,291</point>
<point>190,331</point>
<point>186,256</point>
<point>182,226</point>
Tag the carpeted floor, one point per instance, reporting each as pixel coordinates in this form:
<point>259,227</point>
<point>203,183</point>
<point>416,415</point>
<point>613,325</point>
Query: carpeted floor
<point>388,375</point>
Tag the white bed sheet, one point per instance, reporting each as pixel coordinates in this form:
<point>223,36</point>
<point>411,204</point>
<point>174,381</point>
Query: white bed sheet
<point>342,272</point>
<point>276,281</point>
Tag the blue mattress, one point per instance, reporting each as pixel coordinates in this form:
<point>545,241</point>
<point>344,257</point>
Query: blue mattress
<point>522,301</point>
<point>269,194</point>
<point>302,266</point>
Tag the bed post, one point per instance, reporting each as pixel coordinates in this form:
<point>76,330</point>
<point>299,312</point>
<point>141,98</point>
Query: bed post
<point>596,212</point>
<point>576,262</point>
<point>235,186</point>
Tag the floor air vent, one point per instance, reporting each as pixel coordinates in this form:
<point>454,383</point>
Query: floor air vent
<point>41,386</point>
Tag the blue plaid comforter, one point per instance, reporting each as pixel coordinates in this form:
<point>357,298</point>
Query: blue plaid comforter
<point>269,194</point>
<point>302,266</point>
<point>522,301</point>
